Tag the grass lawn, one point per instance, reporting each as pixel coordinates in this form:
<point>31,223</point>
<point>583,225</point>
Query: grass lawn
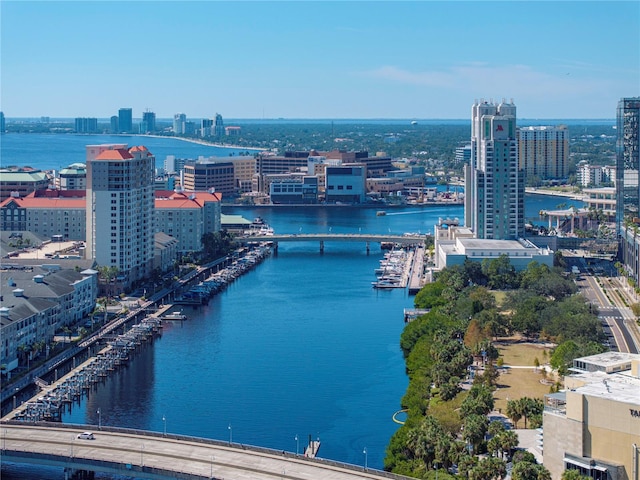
<point>515,383</point>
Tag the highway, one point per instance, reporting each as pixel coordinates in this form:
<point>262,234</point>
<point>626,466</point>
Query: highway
<point>617,319</point>
<point>142,454</point>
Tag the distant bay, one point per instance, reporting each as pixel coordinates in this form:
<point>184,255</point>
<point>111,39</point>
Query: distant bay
<point>55,151</point>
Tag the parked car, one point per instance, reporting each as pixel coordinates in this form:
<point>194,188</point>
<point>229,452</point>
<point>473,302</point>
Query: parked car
<point>86,436</point>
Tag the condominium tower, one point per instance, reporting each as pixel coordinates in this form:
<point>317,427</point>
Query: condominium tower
<point>494,183</point>
<point>120,209</point>
<point>544,152</point>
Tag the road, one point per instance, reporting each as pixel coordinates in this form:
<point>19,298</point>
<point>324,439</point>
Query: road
<point>154,455</point>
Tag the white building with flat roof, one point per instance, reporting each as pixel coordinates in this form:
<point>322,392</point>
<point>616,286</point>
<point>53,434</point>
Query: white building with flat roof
<point>453,245</point>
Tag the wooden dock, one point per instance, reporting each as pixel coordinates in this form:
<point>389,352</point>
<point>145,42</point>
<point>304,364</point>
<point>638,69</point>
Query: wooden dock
<point>312,449</point>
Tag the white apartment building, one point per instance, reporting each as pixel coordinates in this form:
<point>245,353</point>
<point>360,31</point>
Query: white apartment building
<point>120,210</point>
<point>589,175</point>
<point>494,183</point>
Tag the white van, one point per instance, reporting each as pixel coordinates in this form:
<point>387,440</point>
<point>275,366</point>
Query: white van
<point>86,436</point>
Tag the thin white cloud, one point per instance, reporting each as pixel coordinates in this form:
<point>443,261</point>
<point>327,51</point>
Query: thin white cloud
<point>476,78</point>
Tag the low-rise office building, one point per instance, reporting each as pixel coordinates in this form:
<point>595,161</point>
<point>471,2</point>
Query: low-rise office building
<point>453,245</point>
<point>593,426</point>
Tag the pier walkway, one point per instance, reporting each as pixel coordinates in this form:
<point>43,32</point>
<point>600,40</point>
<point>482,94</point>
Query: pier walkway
<point>154,455</point>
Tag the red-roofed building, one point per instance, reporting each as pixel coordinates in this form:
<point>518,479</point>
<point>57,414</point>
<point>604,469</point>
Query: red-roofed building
<point>120,210</point>
<point>187,216</point>
<point>47,213</point>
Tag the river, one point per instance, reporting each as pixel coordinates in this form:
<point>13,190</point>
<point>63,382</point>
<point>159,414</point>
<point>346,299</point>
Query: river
<point>302,345</point>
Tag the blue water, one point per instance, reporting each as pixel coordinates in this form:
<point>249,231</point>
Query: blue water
<point>302,345</point>
<point>55,151</point>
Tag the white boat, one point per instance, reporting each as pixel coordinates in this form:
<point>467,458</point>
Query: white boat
<point>174,316</point>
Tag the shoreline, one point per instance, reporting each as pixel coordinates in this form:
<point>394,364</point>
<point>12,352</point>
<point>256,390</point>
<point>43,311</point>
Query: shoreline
<point>199,142</point>
<point>554,193</point>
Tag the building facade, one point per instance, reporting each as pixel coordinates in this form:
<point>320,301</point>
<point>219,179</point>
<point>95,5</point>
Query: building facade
<point>125,120</point>
<point>593,425</point>
<point>179,124</point>
<point>19,182</point>
<point>628,184</point>
<point>73,177</point>
<point>148,124</point>
<point>210,173</point>
<point>39,300</point>
<point>120,211</point>
<point>345,184</point>
<point>47,213</point>
<point>86,125</point>
<point>543,152</point>
<point>494,183</point>
<point>187,216</point>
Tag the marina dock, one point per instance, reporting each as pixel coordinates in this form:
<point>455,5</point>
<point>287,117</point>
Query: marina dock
<point>49,403</point>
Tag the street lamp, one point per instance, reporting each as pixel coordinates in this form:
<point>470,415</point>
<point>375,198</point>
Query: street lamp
<point>230,435</point>
<point>365,457</point>
<point>164,421</point>
<point>99,419</point>
<point>297,445</point>
<point>142,455</point>
<point>212,460</point>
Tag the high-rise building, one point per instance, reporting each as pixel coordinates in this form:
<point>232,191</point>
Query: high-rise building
<point>114,124</point>
<point>86,125</point>
<point>218,128</point>
<point>179,123</point>
<point>494,183</point>
<point>125,120</point>
<point>120,209</point>
<point>3,126</point>
<point>148,124</point>
<point>628,159</point>
<point>544,152</point>
<point>206,125</point>
<point>628,184</point>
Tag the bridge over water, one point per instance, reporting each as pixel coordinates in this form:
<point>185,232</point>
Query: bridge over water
<point>321,238</point>
<point>154,455</point>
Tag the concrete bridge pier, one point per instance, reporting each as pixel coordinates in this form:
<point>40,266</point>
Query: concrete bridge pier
<point>321,246</point>
<point>275,248</point>
<point>368,248</point>
<point>73,474</point>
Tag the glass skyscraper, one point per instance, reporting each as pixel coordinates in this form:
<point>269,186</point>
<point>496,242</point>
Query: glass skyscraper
<point>628,160</point>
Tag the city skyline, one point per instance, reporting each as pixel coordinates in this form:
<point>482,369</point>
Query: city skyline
<point>300,59</point>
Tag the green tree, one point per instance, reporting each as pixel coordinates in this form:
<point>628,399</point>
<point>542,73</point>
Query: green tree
<point>529,471</point>
<point>573,474</point>
<point>514,411</point>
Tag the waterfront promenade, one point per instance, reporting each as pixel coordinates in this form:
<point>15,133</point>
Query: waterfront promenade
<point>157,455</point>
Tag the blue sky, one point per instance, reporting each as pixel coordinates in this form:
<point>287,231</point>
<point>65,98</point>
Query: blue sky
<point>324,59</point>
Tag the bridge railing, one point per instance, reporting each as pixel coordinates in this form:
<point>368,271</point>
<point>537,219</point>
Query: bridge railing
<point>204,441</point>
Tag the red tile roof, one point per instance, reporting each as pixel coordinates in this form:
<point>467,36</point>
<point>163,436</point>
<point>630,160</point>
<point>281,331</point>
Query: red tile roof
<point>171,199</point>
<point>47,202</point>
<point>115,154</point>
